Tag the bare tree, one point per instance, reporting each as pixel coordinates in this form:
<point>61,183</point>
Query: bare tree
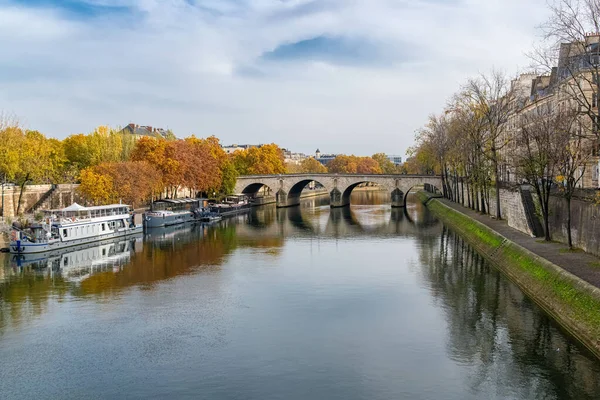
<point>435,133</point>
<point>493,96</point>
<point>572,158</point>
<point>544,134</point>
<point>570,53</point>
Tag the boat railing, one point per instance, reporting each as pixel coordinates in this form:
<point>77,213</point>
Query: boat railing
<point>25,234</point>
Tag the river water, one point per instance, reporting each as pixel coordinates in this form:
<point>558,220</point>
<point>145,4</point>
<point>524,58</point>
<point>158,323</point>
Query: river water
<point>304,303</point>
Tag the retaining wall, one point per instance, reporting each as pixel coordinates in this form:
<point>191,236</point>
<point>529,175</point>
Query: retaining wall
<point>572,302</point>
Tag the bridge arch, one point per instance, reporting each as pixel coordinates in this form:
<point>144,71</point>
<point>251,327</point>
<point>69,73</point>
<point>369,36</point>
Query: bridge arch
<point>252,190</point>
<point>294,191</point>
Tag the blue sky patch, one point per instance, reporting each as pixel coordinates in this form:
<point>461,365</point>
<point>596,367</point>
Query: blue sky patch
<point>336,50</point>
<point>76,8</point>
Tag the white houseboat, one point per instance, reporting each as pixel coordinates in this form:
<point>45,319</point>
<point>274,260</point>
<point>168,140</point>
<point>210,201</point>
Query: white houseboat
<point>72,226</point>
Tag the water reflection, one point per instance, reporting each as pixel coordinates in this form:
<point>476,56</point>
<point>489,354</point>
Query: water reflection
<point>510,346</point>
<point>250,288</point>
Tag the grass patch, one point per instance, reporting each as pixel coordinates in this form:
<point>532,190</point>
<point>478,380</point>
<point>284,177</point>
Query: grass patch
<point>594,264</point>
<point>568,250</point>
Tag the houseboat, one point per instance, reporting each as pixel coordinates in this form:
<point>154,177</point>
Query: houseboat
<point>167,212</point>
<point>231,205</point>
<point>72,226</point>
<point>70,261</point>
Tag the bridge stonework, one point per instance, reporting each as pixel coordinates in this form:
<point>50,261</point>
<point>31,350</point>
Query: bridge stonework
<point>288,188</point>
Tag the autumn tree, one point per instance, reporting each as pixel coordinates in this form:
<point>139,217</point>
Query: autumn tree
<point>312,166</point>
<point>343,164</point>
<point>386,166</point>
<point>264,160</point>
<point>493,97</point>
<point>367,165</point>
<point>133,182</point>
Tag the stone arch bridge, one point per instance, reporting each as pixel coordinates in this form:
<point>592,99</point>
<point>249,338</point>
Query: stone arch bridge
<point>288,188</point>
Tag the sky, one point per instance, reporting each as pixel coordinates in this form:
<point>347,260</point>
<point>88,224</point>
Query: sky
<point>345,76</point>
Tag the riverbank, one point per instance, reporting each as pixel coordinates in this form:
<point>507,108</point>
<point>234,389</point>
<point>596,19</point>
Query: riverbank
<point>562,284</point>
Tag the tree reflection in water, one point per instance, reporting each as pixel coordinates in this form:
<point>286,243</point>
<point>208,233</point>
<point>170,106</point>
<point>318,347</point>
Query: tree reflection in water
<point>506,339</point>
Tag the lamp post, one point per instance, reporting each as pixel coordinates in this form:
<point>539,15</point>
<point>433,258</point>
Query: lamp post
<point>3,182</point>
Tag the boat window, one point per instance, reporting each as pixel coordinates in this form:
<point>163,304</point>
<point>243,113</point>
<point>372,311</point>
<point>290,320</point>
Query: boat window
<point>64,232</point>
<point>103,227</point>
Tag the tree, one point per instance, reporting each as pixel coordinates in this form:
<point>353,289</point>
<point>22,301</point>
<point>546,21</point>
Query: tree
<point>162,155</point>
<point>343,164</point>
<point>367,165</point>
<point>569,44</point>
<point>493,97</point>
<point>264,160</point>
<point>312,166</point>
<point>98,188</point>
<point>386,166</point>
<point>133,182</point>
<point>572,158</point>
<point>544,133</point>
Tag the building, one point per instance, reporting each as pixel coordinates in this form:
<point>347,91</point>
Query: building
<point>396,160</point>
<point>569,86</point>
<point>324,159</point>
<point>140,130</point>
<point>293,158</point>
<point>238,147</point>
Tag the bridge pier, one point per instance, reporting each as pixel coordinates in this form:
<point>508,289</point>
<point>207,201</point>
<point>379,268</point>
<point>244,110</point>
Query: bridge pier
<point>285,200</point>
<point>397,198</point>
<point>337,199</point>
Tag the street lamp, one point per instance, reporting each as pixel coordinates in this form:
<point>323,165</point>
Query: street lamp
<point>3,182</point>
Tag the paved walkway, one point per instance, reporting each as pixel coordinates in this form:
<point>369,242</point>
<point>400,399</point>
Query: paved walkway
<point>581,264</point>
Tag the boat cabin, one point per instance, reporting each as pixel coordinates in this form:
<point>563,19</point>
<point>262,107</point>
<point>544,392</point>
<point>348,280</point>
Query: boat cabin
<point>186,204</point>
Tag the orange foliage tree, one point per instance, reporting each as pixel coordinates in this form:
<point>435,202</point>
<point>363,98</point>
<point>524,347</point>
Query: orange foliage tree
<point>344,164</point>
<point>267,159</point>
<point>312,166</point>
<point>133,182</point>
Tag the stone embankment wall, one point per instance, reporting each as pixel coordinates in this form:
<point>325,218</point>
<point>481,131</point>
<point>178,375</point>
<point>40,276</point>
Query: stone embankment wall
<point>585,223</point>
<point>585,218</point>
<point>512,208</point>
<point>572,302</point>
<point>62,196</point>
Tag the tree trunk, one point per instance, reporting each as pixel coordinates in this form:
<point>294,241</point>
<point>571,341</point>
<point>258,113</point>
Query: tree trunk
<point>569,237</point>
<point>21,194</point>
<point>498,211</point>
<point>547,236</point>
<point>483,208</point>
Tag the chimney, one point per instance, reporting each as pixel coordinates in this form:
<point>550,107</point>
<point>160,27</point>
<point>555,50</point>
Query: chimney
<point>149,128</point>
<point>132,126</point>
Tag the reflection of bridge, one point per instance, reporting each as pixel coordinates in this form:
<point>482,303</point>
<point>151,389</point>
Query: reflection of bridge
<point>287,188</point>
<point>310,222</point>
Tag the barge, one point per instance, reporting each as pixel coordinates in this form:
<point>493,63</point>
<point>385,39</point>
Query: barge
<point>72,226</point>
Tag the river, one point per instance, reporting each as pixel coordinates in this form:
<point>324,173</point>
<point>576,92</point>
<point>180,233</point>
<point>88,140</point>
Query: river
<point>303,303</point>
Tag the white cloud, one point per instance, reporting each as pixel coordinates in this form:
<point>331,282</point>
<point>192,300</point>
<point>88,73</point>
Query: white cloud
<point>196,67</point>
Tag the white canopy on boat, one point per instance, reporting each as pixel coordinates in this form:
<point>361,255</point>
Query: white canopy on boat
<point>74,207</point>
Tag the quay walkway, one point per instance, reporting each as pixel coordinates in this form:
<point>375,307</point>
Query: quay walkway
<point>583,265</point>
